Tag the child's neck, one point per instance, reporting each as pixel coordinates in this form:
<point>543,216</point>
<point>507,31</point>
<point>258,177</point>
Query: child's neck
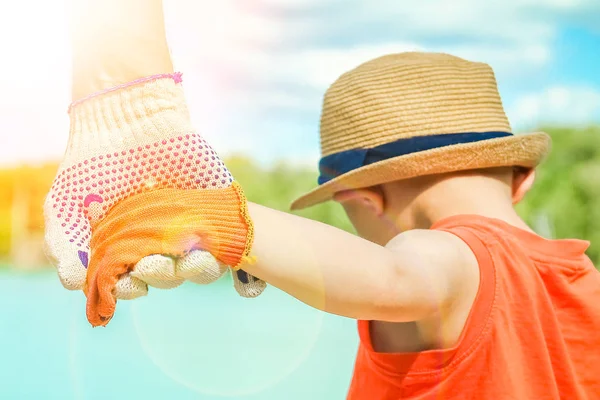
<point>485,197</point>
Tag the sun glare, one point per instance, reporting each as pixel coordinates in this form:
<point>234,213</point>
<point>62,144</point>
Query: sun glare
<point>35,72</point>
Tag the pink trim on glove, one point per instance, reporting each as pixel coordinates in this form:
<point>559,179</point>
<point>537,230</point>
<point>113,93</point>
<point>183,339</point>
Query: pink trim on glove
<point>176,76</point>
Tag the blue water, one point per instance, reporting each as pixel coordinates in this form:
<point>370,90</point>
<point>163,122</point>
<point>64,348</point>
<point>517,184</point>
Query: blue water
<point>193,342</point>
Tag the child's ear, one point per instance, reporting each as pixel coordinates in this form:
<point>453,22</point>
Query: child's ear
<point>523,180</point>
<point>369,198</point>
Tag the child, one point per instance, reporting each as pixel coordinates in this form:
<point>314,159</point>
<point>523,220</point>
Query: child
<point>455,296</point>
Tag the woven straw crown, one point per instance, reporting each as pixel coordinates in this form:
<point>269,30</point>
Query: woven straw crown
<point>410,94</point>
<point>417,96</point>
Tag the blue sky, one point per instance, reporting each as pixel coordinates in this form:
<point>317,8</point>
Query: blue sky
<point>255,70</point>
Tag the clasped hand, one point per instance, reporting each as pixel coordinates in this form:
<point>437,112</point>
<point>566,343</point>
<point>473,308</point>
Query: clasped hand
<point>141,199</point>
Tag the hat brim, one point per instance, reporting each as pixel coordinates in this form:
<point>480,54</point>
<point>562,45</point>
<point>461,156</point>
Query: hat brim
<point>526,150</point>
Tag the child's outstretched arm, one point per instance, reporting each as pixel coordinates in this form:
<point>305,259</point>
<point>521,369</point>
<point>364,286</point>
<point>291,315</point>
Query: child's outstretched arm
<point>419,273</point>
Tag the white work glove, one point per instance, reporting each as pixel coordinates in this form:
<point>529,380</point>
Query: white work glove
<point>124,141</point>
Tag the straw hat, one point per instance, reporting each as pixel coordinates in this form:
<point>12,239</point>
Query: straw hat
<point>410,114</point>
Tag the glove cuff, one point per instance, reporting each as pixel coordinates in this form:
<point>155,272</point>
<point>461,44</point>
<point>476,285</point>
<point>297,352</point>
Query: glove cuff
<point>169,222</point>
<point>136,113</point>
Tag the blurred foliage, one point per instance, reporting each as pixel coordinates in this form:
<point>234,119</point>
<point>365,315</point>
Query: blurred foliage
<point>6,198</point>
<point>567,188</point>
<point>278,186</point>
<point>22,194</point>
<point>560,205</point>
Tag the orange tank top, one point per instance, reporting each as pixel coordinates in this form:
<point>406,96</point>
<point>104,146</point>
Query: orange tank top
<point>533,332</point>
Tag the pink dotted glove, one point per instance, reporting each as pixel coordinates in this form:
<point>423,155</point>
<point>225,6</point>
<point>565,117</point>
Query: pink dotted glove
<point>130,139</point>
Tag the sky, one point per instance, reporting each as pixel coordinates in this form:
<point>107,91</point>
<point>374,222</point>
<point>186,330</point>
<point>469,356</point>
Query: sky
<point>255,71</point>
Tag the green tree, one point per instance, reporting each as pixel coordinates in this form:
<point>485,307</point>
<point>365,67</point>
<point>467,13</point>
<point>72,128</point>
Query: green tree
<point>567,188</point>
<point>278,186</point>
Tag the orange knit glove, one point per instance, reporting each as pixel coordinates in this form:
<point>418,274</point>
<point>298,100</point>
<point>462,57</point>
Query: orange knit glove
<point>170,222</point>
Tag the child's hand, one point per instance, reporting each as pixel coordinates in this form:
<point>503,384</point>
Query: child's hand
<point>130,140</point>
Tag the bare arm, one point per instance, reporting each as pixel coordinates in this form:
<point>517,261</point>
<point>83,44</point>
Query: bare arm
<point>416,275</point>
<point>116,41</point>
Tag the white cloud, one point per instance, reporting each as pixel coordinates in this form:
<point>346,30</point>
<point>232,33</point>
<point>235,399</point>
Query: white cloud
<point>476,19</point>
<point>517,20</point>
<point>212,29</point>
<point>557,104</point>
<point>320,67</point>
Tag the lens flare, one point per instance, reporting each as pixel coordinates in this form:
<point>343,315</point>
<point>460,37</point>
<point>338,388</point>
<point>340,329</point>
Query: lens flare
<point>217,343</point>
